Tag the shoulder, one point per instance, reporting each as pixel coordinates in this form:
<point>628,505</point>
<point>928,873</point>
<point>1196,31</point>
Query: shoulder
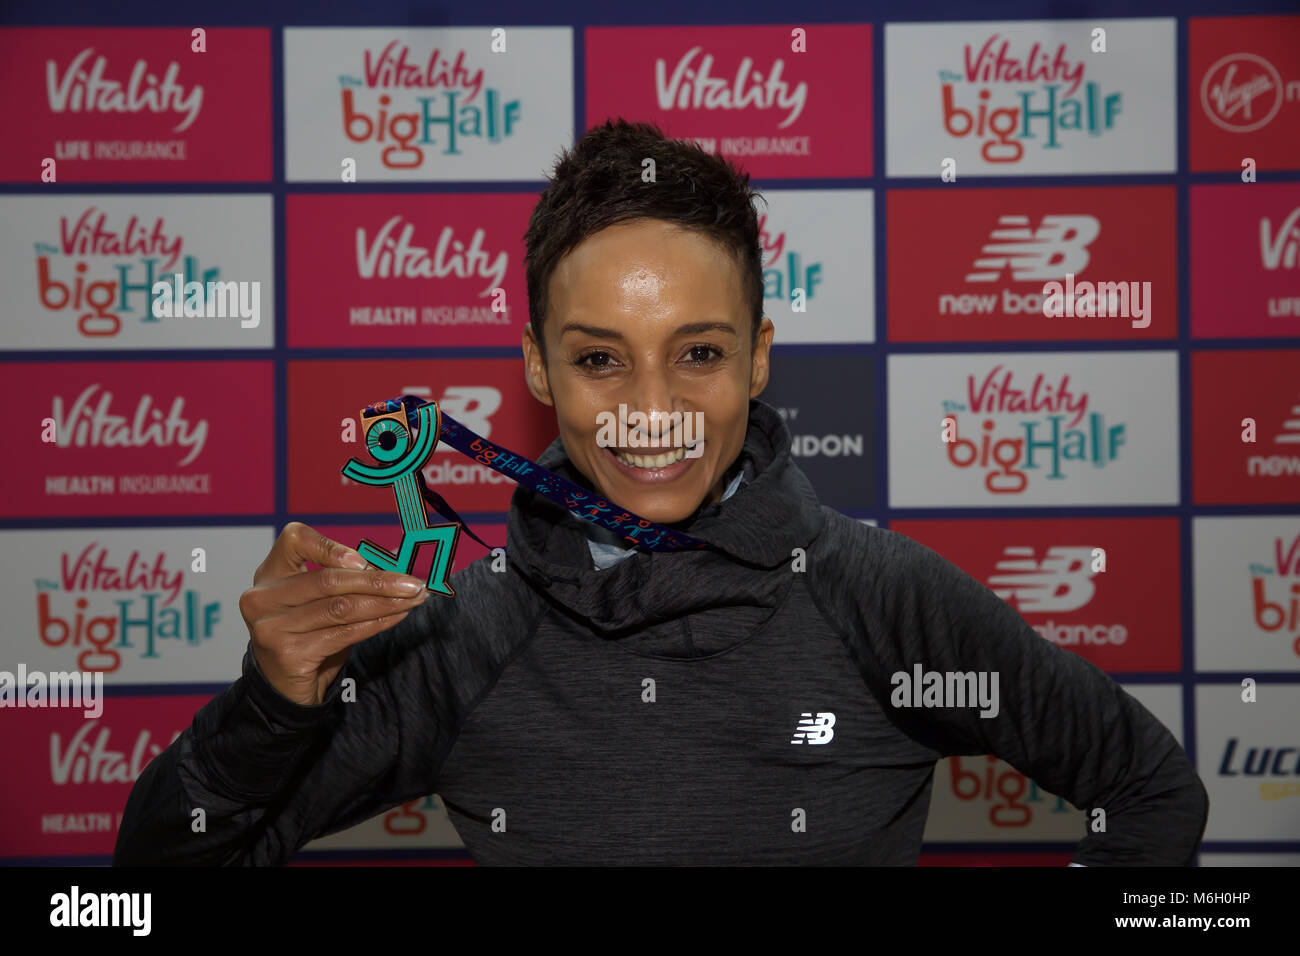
<point>848,549</point>
<point>861,574</point>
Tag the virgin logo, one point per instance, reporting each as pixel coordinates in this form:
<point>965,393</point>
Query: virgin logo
<point>392,255</point>
<point>88,759</point>
<point>1241,92</point>
<point>83,89</point>
<point>97,427</point>
<point>691,87</point>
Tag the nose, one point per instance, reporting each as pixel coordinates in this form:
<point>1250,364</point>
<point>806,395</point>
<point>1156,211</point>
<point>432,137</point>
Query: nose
<point>652,391</point>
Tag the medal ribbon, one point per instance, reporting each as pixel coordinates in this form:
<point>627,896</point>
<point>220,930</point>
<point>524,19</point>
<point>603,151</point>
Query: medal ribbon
<point>580,502</point>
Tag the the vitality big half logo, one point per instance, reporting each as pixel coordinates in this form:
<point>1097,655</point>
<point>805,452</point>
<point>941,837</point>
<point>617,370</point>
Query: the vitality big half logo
<point>1247,593</point>
<point>1004,99</point>
<point>426,104</point>
<point>80,271</point>
<point>1025,429</point>
<point>815,243</point>
<point>138,606</point>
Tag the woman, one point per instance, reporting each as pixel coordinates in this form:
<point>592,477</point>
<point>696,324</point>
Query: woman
<point>780,696</point>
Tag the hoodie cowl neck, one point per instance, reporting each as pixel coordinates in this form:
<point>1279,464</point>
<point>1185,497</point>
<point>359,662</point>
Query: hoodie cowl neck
<point>754,533</point>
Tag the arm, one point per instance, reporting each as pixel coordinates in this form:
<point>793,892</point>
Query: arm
<point>271,774</point>
<point>1061,721</point>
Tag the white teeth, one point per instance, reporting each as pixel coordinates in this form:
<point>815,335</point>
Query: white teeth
<point>652,461</point>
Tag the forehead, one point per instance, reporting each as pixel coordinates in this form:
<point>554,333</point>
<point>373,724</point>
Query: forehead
<point>647,267</point>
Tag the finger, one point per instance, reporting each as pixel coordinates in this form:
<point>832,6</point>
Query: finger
<point>300,589</point>
<point>299,543</point>
<point>341,610</point>
<point>339,638</point>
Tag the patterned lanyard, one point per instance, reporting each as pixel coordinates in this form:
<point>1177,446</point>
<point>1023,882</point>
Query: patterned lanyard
<point>578,500</point>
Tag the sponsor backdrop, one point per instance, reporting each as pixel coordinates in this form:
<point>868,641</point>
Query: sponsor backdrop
<point>1035,281</point>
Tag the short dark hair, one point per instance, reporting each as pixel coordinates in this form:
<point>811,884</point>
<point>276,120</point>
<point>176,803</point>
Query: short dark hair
<point>598,183</point>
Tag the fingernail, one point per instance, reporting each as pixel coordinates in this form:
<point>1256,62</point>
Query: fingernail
<point>354,560</point>
<point>409,586</point>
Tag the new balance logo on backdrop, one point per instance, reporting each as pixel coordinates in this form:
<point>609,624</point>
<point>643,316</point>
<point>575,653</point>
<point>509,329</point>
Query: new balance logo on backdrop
<point>1290,433</point>
<point>472,406</point>
<point>1280,464</point>
<point>1061,581</point>
<point>814,729</point>
<point>1058,246</point>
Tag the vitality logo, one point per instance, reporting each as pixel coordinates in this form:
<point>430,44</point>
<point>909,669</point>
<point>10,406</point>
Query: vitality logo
<point>84,87</point>
<point>1281,580</point>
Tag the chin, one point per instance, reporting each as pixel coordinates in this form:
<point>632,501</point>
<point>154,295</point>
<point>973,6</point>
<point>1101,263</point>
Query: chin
<point>650,495</point>
<point>659,507</point>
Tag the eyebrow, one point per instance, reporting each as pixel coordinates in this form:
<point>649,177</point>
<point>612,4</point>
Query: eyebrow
<point>693,328</point>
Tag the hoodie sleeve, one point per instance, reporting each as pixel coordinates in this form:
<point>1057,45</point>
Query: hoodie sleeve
<point>1060,720</point>
<point>271,775</point>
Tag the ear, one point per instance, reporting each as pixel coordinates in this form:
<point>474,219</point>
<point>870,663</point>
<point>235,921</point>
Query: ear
<point>760,357</point>
<point>535,368</point>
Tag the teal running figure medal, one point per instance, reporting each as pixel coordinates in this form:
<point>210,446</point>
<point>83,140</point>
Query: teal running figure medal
<point>401,455</point>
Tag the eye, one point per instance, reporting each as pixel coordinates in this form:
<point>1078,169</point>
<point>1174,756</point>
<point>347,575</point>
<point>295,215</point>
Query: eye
<point>702,354</point>
<point>595,360</point>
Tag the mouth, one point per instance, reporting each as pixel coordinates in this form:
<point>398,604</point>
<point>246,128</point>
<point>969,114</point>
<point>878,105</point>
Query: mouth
<point>667,466</point>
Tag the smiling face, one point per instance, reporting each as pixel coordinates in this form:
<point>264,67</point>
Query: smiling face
<point>651,317</point>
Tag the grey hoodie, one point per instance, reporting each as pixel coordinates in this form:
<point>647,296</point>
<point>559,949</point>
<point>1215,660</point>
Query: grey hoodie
<point>732,706</point>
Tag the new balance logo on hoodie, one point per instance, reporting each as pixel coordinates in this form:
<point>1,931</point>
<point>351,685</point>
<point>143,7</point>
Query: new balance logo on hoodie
<point>815,730</point>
